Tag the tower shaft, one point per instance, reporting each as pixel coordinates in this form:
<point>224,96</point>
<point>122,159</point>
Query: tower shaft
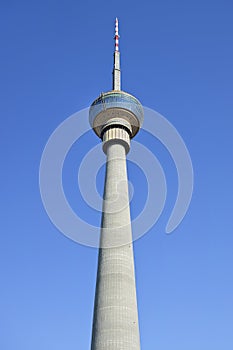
<point>115,323</point>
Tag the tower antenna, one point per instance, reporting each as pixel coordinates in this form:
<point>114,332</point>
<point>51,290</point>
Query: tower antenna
<point>116,81</point>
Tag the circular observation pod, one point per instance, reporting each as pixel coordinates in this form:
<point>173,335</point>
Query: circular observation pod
<point>116,108</point>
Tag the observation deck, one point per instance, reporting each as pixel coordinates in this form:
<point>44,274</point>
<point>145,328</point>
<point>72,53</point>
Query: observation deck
<point>116,109</point>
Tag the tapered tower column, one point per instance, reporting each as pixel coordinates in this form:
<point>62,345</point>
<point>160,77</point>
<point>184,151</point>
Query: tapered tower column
<point>115,324</point>
<point>116,117</point>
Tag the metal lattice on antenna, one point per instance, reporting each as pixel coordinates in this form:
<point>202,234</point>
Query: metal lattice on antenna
<point>116,37</point>
<point>116,83</point>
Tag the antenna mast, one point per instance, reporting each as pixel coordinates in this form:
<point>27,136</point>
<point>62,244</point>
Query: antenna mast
<point>116,82</point>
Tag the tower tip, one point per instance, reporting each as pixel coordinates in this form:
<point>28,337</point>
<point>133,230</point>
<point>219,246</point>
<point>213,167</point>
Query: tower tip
<point>116,37</point>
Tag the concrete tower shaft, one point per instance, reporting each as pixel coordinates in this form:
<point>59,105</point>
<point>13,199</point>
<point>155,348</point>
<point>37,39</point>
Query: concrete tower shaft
<point>115,323</point>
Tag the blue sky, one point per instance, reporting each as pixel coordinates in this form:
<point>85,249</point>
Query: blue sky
<point>177,59</point>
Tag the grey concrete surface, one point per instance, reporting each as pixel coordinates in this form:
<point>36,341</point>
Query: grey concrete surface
<point>115,321</point>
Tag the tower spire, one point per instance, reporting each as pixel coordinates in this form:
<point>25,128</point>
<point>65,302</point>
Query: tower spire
<point>116,35</point>
<point>116,68</point>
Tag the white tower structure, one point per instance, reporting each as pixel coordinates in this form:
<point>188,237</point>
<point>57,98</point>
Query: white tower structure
<point>116,117</point>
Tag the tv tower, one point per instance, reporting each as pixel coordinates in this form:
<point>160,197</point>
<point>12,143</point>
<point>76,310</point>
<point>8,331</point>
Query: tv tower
<point>116,117</point>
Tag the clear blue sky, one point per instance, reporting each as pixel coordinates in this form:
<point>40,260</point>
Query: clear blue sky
<point>56,57</point>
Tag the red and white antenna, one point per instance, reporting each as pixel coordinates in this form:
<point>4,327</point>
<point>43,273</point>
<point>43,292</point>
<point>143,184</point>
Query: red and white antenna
<point>116,36</point>
<point>116,67</point>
